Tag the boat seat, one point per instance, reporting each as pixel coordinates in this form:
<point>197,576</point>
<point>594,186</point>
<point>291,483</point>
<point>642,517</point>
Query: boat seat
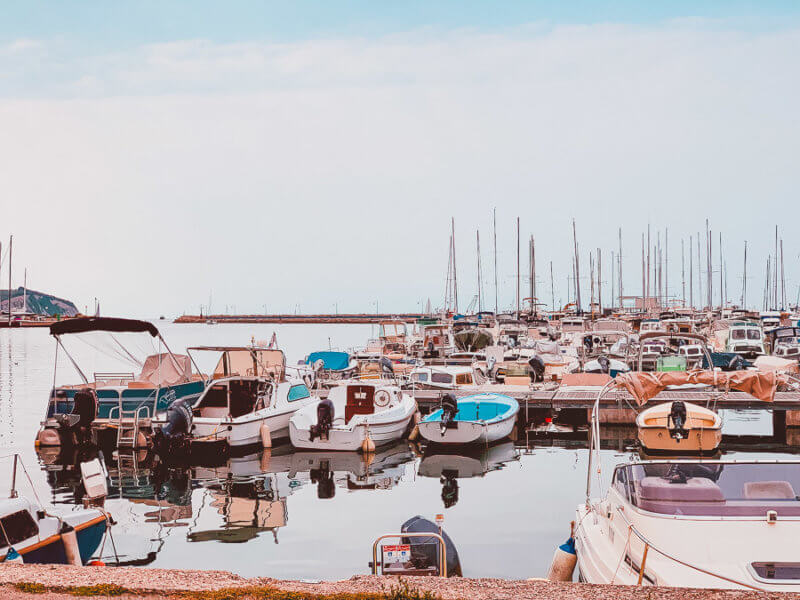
<point>769,490</point>
<point>696,489</point>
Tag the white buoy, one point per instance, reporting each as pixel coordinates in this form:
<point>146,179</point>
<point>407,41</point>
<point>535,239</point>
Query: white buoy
<point>564,560</point>
<point>71,548</point>
<point>266,438</point>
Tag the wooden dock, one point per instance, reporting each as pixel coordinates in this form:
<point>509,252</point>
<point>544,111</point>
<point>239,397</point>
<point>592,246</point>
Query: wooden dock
<point>581,397</point>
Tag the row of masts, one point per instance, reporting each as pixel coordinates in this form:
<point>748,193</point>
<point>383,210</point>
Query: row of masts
<point>701,290</point>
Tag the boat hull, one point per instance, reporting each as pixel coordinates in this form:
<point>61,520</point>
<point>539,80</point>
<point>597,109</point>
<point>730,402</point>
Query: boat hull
<point>51,550</point>
<point>467,432</point>
<point>343,438</point>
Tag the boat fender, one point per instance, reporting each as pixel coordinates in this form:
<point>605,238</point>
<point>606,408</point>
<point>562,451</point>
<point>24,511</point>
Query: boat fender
<point>564,560</point>
<point>12,556</point>
<point>96,563</point>
<point>415,429</point>
<point>266,438</point>
<point>367,446</point>
<point>48,437</point>
<point>70,541</point>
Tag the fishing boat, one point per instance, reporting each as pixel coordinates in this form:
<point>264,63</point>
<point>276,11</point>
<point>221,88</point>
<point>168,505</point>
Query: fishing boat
<point>31,534</point>
<point>679,427</point>
<point>248,401</point>
<point>480,418</point>
<point>357,415</point>
<point>111,399</point>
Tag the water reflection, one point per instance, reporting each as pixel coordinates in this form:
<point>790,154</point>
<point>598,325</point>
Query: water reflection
<point>451,466</point>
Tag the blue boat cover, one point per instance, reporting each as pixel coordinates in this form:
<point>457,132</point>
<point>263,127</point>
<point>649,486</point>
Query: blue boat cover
<point>332,361</point>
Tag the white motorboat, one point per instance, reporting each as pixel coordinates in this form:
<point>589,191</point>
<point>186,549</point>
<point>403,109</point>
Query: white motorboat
<point>352,414</point>
<point>249,400</point>
<point>480,418</point>
<point>691,523</point>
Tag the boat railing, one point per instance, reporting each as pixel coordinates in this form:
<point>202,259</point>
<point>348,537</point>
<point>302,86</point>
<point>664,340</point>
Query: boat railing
<point>648,545</point>
<point>439,538</point>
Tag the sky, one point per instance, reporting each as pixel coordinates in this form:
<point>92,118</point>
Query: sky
<point>308,156</point>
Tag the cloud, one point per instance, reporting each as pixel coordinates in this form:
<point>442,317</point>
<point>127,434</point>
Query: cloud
<point>326,170</point>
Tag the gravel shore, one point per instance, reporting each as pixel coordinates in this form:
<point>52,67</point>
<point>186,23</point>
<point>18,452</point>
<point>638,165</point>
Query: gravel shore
<point>60,582</point>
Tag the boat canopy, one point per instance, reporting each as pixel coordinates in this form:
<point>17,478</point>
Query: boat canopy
<point>332,361</point>
<point>84,324</point>
<point>247,361</point>
<point>644,386</point>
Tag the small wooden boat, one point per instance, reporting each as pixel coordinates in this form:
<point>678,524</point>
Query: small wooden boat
<point>481,418</point>
<point>31,534</point>
<point>679,427</point>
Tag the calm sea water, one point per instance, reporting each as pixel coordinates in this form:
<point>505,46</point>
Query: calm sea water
<point>289,514</point>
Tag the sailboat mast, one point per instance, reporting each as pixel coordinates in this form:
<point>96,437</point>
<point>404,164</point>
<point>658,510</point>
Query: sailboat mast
<point>783,281</point>
<point>744,278</point>
<point>577,269</point>
<point>619,259</point>
<point>691,278</point>
<point>683,273</point>
<point>518,273</point>
<point>600,282</point>
<point>10,252</point>
<point>552,288</point>
<point>480,282</point>
<point>455,276</point>
<point>495,260</point>
<point>644,303</point>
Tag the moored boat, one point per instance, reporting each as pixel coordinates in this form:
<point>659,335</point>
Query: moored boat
<point>480,418</point>
<point>357,415</point>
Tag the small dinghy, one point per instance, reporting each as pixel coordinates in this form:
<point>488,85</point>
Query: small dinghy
<point>679,427</point>
<point>355,416</point>
<point>31,534</point>
<point>481,418</point>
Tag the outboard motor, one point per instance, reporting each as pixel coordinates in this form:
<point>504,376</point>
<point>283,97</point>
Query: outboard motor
<point>537,366</point>
<point>677,417</point>
<point>76,427</point>
<point>588,343</point>
<point>605,364</point>
<point>449,480</point>
<point>174,436</point>
<point>449,411</point>
<point>386,365</point>
<point>323,477</point>
<point>324,420</point>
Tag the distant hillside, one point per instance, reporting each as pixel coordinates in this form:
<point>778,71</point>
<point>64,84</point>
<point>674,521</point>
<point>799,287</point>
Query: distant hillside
<point>37,302</point>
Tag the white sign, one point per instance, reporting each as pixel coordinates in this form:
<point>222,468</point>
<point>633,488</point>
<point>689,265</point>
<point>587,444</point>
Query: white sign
<point>400,553</point>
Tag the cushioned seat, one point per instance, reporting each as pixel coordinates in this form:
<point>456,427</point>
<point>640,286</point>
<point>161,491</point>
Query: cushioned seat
<point>769,490</point>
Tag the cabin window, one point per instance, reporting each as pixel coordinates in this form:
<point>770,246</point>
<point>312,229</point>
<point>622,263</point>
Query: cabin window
<point>753,334</point>
<point>216,397</point>
<point>441,378</point>
<point>17,526</point>
<point>463,379</point>
<point>298,392</point>
<point>421,377</point>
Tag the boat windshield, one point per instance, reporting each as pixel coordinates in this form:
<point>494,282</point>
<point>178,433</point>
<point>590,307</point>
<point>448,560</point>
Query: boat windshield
<point>712,489</point>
